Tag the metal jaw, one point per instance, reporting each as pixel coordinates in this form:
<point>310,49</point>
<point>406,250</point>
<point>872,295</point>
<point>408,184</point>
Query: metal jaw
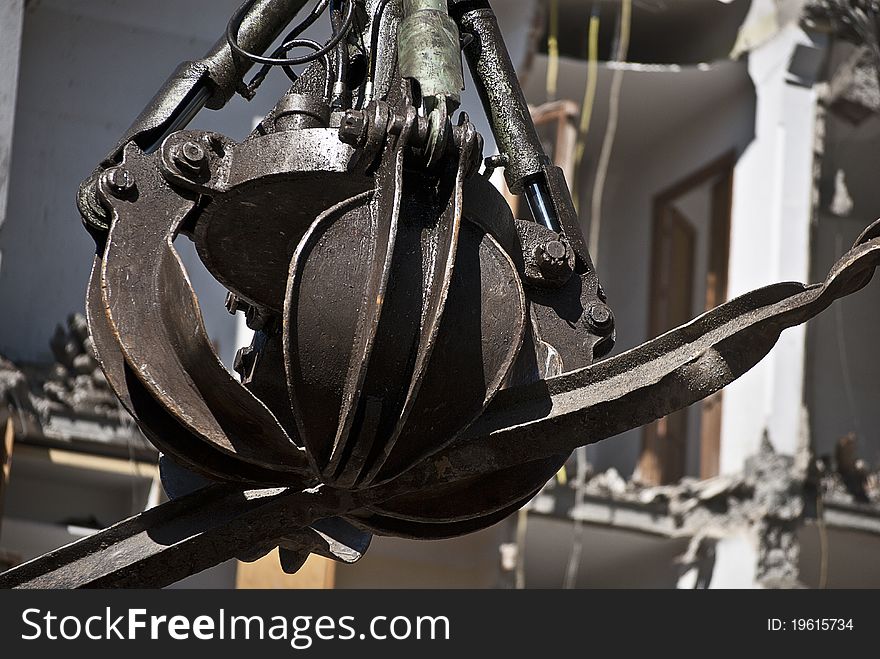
<point>423,363</point>
<point>522,424</point>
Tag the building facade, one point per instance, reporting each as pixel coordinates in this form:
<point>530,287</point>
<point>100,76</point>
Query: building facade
<point>730,146</point>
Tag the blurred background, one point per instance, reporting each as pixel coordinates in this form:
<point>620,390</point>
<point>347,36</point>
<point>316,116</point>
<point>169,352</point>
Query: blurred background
<point>713,147</point>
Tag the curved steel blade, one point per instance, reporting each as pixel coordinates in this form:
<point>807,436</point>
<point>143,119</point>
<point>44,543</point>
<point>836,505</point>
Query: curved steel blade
<point>393,347</point>
<point>162,429</point>
<point>644,384</point>
<point>158,325</point>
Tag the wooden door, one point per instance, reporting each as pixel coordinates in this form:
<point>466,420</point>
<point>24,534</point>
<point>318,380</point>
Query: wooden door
<point>664,446</point>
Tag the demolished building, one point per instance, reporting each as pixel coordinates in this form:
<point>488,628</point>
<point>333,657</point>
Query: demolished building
<point>742,155</point>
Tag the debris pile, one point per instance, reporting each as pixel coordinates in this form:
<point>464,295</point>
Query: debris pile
<point>68,401</point>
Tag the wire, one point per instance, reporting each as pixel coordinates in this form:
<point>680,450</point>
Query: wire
<point>309,20</point>
<point>522,529</point>
<point>577,545</point>
<point>823,537</point>
<point>590,91</point>
<point>610,130</point>
<point>362,84</point>
<point>574,557</point>
<point>251,87</point>
<point>361,27</point>
<point>337,21</point>
<point>314,45</point>
<point>553,52</point>
<point>290,41</point>
<point>375,31</point>
<point>235,22</point>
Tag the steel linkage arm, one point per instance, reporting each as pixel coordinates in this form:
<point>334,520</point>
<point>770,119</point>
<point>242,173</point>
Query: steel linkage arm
<point>207,82</point>
<point>652,380</point>
<point>396,454</point>
<point>527,168</point>
<point>210,81</point>
<point>522,425</point>
<point>179,538</point>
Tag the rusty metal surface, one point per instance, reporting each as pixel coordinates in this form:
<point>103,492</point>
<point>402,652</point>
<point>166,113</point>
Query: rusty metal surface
<point>422,364</point>
<point>159,426</point>
<point>369,365</point>
<point>430,49</point>
<point>287,191</point>
<point>168,543</point>
<point>496,81</point>
<point>651,381</point>
<point>522,424</point>
<point>207,82</point>
<point>157,323</point>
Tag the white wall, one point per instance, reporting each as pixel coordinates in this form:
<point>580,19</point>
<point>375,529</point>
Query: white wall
<point>771,127</point>
<point>639,173</point>
<point>10,45</point>
<point>673,122</point>
<point>770,242</point>
<point>88,68</point>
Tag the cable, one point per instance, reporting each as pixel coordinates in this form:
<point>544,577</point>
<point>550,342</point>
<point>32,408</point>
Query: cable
<point>553,52</point>
<point>290,41</point>
<point>360,28</point>
<point>574,557</point>
<point>522,529</point>
<point>235,22</point>
<point>250,88</point>
<point>362,83</point>
<point>375,30</point>
<point>610,130</point>
<point>340,88</point>
<point>577,545</point>
<point>823,537</point>
<point>309,20</point>
<point>590,91</point>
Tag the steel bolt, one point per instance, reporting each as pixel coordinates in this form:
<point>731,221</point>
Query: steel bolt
<point>245,360</point>
<point>190,157</point>
<point>120,181</point>
<point>234,304</point>
<point>600,316</point>
<point>353,128</point>
<point>193,153</point>
<point>553,260</point>
<point>556,251</point>
<point>498,161</point>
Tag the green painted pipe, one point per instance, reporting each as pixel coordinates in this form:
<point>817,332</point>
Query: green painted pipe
<point>430,50</point>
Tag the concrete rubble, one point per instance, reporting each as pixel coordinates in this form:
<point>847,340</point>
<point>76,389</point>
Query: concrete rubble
<point>770,500</point>
<point>68,403</point>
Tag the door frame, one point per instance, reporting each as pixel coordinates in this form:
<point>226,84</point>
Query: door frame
<point>655,466</point>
